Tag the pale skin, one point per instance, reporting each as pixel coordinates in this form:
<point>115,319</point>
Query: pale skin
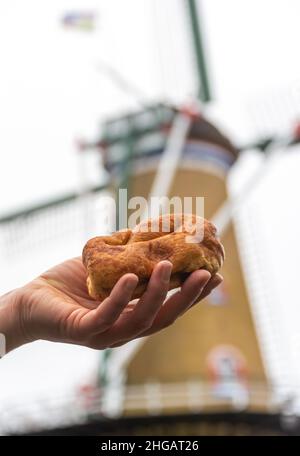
<point>56,307</point>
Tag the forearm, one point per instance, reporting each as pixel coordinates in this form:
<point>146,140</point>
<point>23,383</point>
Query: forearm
<point>11,334</point>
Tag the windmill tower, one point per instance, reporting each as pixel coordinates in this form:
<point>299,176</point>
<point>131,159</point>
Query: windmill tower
<point>211,356</point>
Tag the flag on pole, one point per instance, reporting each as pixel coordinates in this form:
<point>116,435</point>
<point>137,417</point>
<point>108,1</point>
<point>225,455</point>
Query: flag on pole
<point>80,20</point>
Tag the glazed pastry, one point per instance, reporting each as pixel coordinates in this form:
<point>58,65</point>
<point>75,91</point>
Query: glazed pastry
<point>187,241</point>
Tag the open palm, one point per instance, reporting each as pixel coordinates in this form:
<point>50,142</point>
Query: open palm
<point>57,306</point>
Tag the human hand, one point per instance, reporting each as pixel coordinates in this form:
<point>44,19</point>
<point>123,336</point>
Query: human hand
<point>56,306</point>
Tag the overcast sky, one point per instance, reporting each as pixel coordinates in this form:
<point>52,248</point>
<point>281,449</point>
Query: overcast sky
<point>51,91</point>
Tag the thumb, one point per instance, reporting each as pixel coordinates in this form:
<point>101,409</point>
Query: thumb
<point>108,311</point>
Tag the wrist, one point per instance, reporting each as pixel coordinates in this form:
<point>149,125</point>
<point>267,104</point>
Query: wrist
<point>12,333</point>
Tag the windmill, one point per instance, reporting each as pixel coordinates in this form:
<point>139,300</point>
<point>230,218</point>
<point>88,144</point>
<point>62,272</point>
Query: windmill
<point>209,367</point>
<point>210,360</point>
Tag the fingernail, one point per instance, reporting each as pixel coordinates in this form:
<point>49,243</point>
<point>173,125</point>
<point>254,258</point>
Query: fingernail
<point>166,271</point>
<point>203,286</point>
<point>130,285</point>
<point>207,280</point>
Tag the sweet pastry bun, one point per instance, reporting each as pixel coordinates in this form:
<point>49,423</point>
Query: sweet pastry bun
<point>187,241</point>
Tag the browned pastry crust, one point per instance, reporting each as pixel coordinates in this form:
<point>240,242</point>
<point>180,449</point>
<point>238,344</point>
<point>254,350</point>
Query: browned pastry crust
<point>107,258</point>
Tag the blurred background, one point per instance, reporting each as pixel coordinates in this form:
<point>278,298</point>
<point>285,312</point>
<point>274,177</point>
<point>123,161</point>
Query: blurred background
<point>93,96</point>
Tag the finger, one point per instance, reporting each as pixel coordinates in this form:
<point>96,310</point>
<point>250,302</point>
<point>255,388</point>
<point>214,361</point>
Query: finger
<point>181,301</point>
<point>150,303</point>
<point>102,318</point>
<point>215,281</point>
<point>212,283</point>
<point>129,326</point>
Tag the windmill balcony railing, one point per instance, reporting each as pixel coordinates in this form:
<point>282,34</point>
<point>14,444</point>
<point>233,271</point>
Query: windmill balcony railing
<point>196,396</point>
<point>152,398</point>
